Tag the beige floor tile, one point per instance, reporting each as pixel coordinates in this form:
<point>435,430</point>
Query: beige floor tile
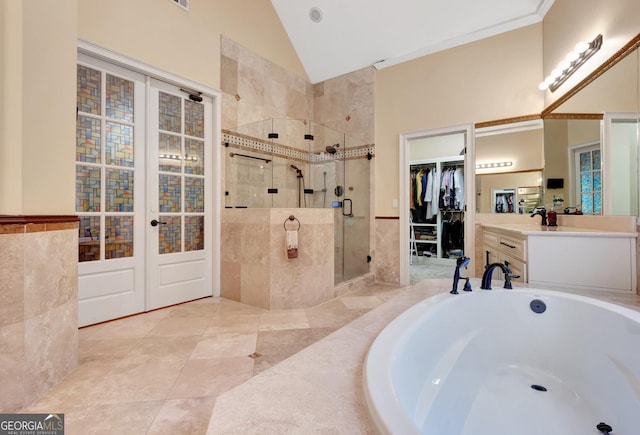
<point>276,346</point>
<point>321,317</point>
<point>154,348</point>
<point>129,327</point>
<point>80,389</point>
<point>361,302</point>
<point>180,326</point>
<point>225,345</point>
<point>183,416</point>
<point>105,349</point>
<point>228,306</point>
<point>211,377</point>
<point>133,381</point>
<point>232,322</point>
<point>284,319</point>
<point>195,310</point>
<point>117,419</point>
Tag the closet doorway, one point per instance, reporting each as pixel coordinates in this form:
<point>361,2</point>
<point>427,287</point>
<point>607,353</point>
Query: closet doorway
<point>435,179</point>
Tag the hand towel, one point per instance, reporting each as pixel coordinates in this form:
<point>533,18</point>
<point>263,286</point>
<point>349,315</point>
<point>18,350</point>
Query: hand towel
<point>292,244</point>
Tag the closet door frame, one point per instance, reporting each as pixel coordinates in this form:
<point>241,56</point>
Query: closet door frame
<point>469,186</point>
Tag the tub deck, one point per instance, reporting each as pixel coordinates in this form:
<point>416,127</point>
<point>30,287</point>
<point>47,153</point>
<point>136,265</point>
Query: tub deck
<point>320,389</point>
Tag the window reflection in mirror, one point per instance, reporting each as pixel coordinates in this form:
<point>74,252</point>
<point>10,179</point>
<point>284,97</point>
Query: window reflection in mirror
<point>572,154</point>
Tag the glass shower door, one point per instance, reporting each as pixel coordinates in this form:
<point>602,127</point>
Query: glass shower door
<point>355,218</point>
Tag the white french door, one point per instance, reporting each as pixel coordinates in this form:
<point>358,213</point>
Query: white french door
<point>179,180</point>
<point>143,153</point>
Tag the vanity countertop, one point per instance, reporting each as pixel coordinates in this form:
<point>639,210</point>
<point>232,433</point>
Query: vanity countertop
<point>539,230</point>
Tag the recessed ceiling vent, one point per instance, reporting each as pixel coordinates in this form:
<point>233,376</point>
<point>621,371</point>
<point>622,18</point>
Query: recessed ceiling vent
<point>184,4</point>
<point>315,14</point>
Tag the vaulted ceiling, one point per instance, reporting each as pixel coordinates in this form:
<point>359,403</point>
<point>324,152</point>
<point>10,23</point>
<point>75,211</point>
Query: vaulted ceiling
<point>335,37</point>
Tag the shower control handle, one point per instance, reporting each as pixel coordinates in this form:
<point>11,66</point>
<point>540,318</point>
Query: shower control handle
<point>155,223</point>
<point>344,207</point>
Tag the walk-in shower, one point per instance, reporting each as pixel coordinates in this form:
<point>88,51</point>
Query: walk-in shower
<point>311,166</point>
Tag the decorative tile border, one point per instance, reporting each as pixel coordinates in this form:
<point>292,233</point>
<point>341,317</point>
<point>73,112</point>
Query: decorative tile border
<point>21,224</point>
<point>284,151</point>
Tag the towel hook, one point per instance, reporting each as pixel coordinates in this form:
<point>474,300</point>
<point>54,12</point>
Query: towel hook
<point>291,218</point>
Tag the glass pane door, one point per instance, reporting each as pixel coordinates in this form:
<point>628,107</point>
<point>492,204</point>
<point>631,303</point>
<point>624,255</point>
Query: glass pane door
<point>179,197</point>
<point>110,195</point>
<point>181,174</point>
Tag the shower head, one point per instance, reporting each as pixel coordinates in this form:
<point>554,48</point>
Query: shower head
<point>331,149</point>
<point>298,171</point>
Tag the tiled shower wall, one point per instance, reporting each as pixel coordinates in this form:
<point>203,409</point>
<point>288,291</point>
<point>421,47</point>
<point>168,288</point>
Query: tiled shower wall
<point>255,89</point>
<point>38,310</point>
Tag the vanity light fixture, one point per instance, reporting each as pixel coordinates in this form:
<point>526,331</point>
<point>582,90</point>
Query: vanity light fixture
<point>574,60</point>
<point>178,157</point>
<point>493,165</point>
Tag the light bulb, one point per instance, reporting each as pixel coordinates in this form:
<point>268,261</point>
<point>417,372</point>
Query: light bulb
<point>581,47</point>
<point>572,56</point>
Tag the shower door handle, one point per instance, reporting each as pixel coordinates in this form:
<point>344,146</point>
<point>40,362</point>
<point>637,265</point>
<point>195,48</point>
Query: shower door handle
<point>344,207</point>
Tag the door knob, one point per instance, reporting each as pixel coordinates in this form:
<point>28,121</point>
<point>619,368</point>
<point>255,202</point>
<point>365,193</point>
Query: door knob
<point>155,223</point>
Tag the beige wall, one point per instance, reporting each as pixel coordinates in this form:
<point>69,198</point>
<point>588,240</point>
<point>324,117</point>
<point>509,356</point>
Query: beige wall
<point>186,43</point>
<point>490,79</point>
<point>37,116</point>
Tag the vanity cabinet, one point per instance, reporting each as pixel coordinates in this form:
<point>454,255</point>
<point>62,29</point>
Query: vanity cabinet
<point>563,257</point>
<point>510,248</point>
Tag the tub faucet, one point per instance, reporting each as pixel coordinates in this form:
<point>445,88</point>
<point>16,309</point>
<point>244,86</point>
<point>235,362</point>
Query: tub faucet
<point>460,263</point>
<point>542,212</point>
<point>488,271</point>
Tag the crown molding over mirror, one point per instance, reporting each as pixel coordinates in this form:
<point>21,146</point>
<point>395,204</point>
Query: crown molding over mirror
<point>596,116</point>
<point>505,121</point>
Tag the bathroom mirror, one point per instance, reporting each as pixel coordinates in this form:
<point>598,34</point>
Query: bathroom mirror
<point>591,142</point>
<point>596,121</point>
<point>509,163</point>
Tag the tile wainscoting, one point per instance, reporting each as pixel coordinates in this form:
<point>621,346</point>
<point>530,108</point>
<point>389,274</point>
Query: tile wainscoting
<point>39,306</point>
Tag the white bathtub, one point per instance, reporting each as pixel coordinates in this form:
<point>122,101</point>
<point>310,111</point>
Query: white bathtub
<point>466,364</point>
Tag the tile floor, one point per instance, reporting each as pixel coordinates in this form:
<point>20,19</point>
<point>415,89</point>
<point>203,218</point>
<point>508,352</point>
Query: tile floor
<point>431,268</point>
<point>161,372</point>
<point>320,389</point>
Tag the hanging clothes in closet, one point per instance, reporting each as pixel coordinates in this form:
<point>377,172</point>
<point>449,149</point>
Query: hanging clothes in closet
<point>451,188</point>
<point>452,238</point>
<point>423,188</point>
<point>504,203</point>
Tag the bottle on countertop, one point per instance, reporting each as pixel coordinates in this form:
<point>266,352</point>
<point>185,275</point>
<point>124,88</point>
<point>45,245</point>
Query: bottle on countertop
<point>552,218</point>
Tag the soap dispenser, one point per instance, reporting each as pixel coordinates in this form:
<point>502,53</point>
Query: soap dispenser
<point>552,218</point>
